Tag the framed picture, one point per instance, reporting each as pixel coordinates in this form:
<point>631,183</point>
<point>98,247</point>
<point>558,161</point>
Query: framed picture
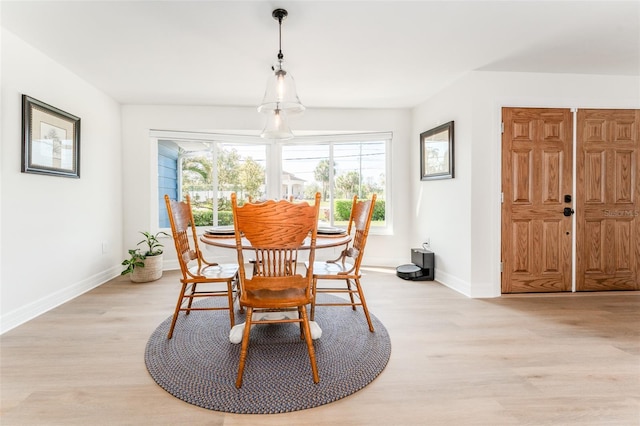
<point>50,140</point>
<point>436,153</point>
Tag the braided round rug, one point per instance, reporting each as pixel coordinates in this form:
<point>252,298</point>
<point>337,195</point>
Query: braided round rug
<point>199,365</point>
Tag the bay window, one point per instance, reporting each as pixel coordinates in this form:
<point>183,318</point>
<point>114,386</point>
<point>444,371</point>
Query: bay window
<point>210,167</point>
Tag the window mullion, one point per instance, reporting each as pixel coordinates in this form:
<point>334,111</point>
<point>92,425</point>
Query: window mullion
<point>213,150</point>
<point>331,183</point>
<point>274,170</point>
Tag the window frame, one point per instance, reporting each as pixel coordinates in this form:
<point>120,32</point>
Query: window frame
<point>274,160</point>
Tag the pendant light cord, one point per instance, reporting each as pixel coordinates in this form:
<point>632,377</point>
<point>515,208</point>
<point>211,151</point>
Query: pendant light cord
<point>280,55</point>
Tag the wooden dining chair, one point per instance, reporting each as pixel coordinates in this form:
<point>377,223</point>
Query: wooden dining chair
<point>200,278</point>
<point>346,267</point>
<point>276,231</point>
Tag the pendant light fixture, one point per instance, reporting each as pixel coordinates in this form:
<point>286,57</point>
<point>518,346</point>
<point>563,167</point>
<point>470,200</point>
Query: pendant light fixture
<point>280,99</point>
<point>277,126</point>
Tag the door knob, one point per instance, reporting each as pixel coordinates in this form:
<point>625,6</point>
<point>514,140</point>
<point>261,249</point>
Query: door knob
<point>568,211</point>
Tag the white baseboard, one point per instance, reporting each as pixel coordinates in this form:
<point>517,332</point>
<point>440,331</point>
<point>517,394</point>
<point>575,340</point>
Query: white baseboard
<point>453,282</point>
<point>479,290</point>
<point>38,307</point>
<point>170,264</point>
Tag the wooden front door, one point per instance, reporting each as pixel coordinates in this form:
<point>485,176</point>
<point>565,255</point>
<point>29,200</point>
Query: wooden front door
<point>607,191</point>
<point>537,171</point>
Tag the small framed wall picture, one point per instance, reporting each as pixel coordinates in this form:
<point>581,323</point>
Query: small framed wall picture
<point>436,153</point>
<point>50,140</point>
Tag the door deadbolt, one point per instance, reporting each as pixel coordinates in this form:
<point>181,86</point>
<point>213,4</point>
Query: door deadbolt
<point>567,198</point>
<point>568,211</point>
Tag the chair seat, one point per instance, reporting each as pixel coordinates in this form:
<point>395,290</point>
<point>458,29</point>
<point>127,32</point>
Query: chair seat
<point>271,299</point>
<point>330,269</point>
<point>222,271</point>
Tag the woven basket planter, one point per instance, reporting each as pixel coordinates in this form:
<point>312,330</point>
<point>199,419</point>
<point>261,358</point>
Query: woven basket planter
<point>152,270</point>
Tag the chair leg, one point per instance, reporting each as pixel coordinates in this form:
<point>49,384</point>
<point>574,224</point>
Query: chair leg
<point>230,298</point>
<point>300,323</point>
<point>353,302</point>
<point>236,286</point>
<point>245,346</point>
<point>193,291</point>
<point>177,311</point>
<point>364,304</point>
<point>314,287</point>
<point>307,337</point>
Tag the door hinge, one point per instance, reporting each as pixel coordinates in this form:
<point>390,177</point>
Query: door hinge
<point>502,197</point>
<point>500,266</point>
<point>502,127</point>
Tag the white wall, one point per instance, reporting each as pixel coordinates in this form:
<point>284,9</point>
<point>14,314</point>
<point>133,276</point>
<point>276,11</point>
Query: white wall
<point>52,227</point>
<point>462,216</point>
<point>141,156</point>
<point>442,208</point>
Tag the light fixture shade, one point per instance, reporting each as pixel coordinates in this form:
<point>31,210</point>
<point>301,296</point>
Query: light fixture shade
<point>277,126</point>
<point>281,93</point>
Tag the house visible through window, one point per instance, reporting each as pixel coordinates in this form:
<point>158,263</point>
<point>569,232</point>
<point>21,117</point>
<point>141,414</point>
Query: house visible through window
<point>210,168</point>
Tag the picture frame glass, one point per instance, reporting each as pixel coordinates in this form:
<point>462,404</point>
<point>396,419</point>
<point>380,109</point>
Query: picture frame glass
<point>436,153</point>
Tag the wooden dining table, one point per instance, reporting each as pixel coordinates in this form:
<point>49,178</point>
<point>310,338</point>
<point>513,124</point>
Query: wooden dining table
<point>224,237</point>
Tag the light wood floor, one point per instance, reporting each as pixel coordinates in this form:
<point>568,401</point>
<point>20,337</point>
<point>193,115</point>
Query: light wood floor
<point>571,359</point>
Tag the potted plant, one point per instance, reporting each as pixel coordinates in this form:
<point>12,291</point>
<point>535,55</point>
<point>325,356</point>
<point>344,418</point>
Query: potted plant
<point>145,266</point>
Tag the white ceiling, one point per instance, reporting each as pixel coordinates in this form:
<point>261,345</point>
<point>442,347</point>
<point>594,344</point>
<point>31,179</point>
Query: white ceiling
<point>374,54</point>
